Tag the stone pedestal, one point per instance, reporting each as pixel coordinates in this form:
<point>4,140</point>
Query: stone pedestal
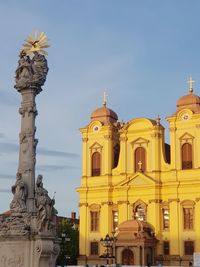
<point>36,251</point>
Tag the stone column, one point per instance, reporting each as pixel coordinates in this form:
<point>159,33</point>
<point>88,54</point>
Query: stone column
<point>28,143</point>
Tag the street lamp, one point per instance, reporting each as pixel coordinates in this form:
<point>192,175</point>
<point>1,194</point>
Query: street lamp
<point>108,242</point>
<point>64,239</point>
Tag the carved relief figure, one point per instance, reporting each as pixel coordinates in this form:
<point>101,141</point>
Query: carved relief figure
<point>19,190</point>
<point>45,206</point>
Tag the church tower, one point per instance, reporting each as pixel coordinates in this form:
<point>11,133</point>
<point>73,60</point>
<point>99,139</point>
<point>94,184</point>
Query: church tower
<point>100,141</point>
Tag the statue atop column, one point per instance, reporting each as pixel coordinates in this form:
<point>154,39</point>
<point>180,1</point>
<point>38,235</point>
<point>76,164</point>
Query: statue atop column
<point>28,232</point>
<point>30,199</point>
<point>32,65</point>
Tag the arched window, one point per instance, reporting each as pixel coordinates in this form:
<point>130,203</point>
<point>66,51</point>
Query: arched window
<point>140,159</point>
<point>114,219</point>
<point>139,213</point>
<point>186,156</point>
<point>165,218</point>
<point>116,155</point>
<point>96,164</point>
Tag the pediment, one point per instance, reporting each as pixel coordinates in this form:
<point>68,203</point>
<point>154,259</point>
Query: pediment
<point>139,179</point>
<point>95,146</point>
<point>186,136</point>
<point>140,141</point>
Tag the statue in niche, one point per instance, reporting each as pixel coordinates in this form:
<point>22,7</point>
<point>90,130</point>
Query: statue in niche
<point>19,191</point>
<point>45,206</point>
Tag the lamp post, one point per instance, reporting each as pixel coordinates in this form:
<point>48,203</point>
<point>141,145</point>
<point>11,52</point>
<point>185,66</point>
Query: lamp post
<point>107,242</point>
<point>64,239</point>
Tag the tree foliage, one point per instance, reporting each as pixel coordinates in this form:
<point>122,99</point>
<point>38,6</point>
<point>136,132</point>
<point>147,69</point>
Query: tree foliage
<point>68,234</point>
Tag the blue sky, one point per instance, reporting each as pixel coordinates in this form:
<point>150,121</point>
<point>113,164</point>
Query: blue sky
<point>140,51</point>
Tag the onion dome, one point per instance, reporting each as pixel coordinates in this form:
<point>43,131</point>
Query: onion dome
<point>105,115</point>
<point>189,101</point>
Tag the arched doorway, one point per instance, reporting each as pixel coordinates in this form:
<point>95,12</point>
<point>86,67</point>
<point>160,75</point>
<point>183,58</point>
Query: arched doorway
<point>127,257</point>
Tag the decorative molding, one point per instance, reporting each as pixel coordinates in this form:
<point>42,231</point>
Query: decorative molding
<point>186,136</point>
<point>140,141</point>
<point>83,204</point>
<point>188,203</point>
<point>96,147</point>
<point>122,202</point>
<point>173,200</point>
<point>108,137</point>
<point>197,199</point>
<point>172,129</point>
<point>84,139</point>
<point>94,207</point>
<point>156,200</point>
<point>109,203</point>
<point>123,138</point>
<point>156,135</point>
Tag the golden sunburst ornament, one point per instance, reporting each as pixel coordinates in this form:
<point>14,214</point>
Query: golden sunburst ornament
<point>36,43</point>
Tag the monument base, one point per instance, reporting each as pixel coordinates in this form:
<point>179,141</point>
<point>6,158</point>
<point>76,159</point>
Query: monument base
<point>35,251</point>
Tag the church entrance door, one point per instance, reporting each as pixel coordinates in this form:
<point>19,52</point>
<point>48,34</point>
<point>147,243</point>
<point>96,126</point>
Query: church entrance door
<point>127,257</point>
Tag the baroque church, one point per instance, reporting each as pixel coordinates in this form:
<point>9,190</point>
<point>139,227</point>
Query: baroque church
<point>141,191</point>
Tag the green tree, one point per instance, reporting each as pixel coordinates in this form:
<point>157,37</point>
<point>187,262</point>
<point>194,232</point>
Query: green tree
<point>68,234</point>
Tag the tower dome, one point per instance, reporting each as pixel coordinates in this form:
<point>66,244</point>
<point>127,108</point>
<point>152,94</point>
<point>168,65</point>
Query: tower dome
<point>105,115</point>
<point>190,101</point>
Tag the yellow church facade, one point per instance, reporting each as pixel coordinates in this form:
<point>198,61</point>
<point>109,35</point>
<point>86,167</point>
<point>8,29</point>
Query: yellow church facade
<point>139,189</point>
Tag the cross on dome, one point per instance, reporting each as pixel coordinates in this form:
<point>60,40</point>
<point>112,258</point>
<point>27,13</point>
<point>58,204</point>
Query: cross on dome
<point>190,81</point>
<point>104,98</point>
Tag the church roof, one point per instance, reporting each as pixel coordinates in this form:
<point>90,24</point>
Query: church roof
<point>134,225</point>
<point>105,115</point>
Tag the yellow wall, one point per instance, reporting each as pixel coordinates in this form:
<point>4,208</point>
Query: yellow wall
<point>161,183</point>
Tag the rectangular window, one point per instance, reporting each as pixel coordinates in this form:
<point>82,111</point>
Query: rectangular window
<point>166,247</point>
<point>115,219</point>
<point>189,247</point>
<point>186,156</point>
<point>94,248</point>
<point>165,218</point>
<point>94,220</point>
<point>188,218</point>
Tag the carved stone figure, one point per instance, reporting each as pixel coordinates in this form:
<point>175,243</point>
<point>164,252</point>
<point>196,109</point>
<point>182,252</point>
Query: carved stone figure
<point>19,190</point>
<point>24,71</point>
<point>45,206</point>
<point>40,69</point>
<point>31,72</point>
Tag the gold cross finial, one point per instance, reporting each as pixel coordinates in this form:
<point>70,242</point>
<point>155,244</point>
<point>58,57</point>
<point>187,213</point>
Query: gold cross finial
<point>104,98</point>
<point>158,120</point>
<point>190,81</point>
